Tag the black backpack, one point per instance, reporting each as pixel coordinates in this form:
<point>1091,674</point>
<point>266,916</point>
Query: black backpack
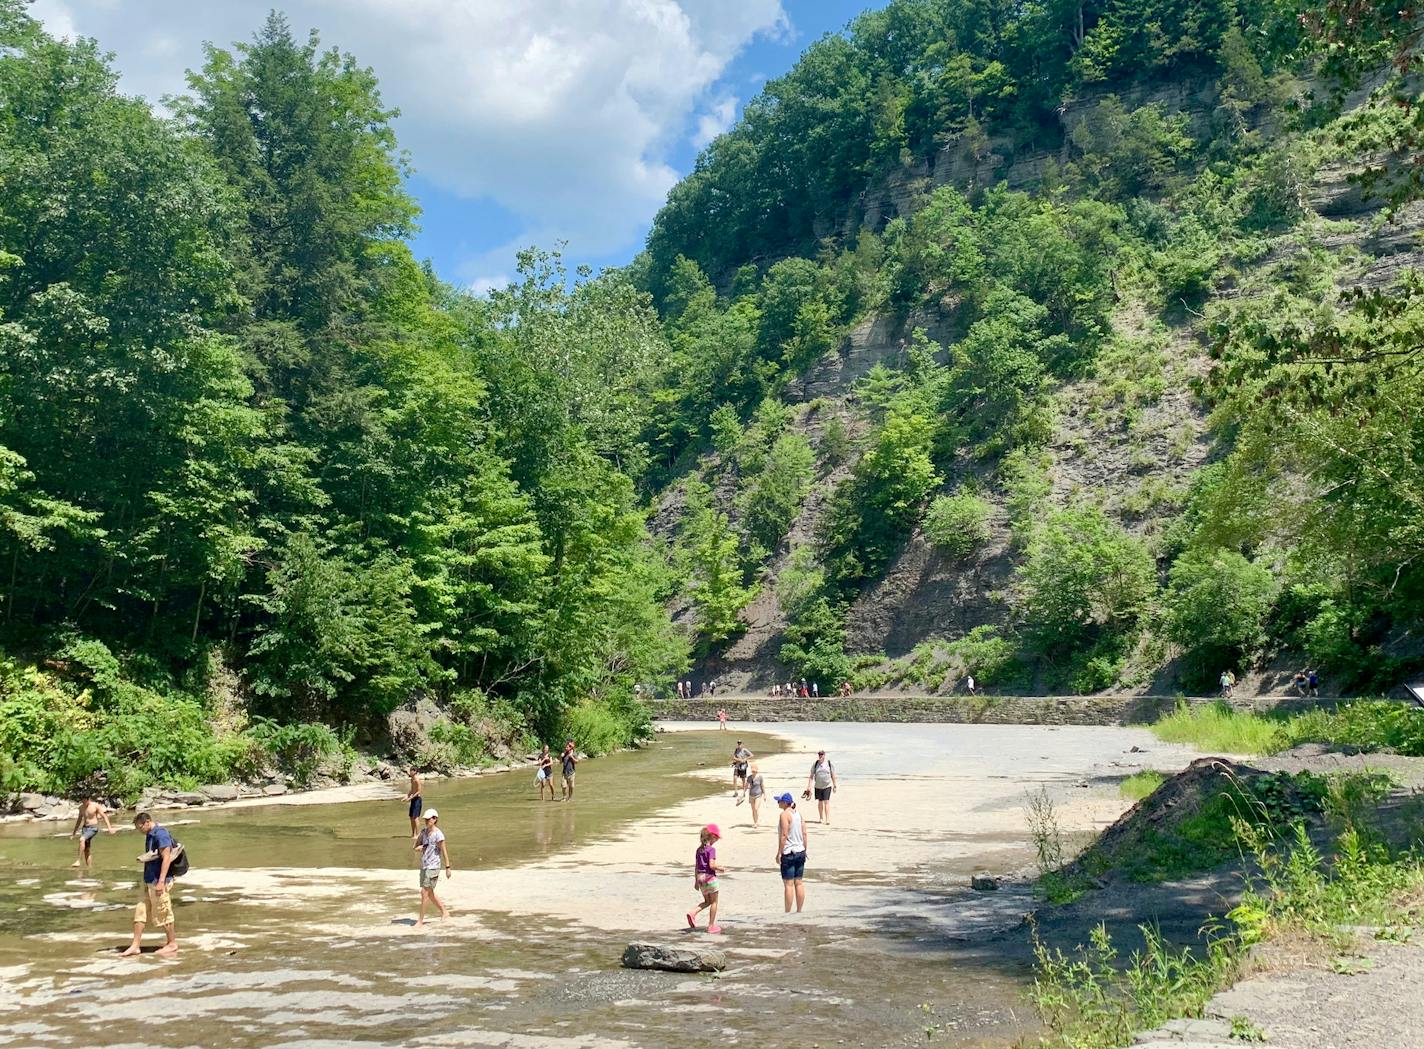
<point>179,866</point>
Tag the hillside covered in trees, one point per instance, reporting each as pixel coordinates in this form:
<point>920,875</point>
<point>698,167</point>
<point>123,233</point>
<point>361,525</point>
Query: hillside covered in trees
<point>1074,343</point>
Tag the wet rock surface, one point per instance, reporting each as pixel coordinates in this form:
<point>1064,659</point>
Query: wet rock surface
<point>689,959</point>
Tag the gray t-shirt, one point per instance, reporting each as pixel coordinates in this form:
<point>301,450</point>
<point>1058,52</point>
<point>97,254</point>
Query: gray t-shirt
<point>429,842</point>
<point>754,786</point>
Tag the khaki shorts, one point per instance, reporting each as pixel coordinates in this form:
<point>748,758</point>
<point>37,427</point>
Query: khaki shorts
<point>154,907</point>
<point>429,877</point>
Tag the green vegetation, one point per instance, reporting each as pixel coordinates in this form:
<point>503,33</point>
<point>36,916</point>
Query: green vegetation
<point>1369,725</point>
<point>1140,784</point>
<point>958,524</point>
<point>1095,999</point>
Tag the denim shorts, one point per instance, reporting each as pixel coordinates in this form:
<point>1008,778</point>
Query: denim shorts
<point>793,866</point>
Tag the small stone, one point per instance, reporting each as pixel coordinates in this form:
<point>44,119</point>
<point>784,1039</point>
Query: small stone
<point>984,882</point>
<point>673,959</point>
<point>220,792</point>
<point>273,789</point>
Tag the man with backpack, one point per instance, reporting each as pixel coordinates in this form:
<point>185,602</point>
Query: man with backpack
<point>163,860</point>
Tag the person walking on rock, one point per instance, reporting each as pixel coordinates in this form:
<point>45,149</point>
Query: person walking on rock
<point>86,828</point>
<point>433,853</point>
<point>823,781</point>
<point>704,877</point>
<point>791,852</point>
<point>156,904</point>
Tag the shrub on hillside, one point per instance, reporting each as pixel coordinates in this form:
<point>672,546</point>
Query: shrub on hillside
<point>1083,577</point>
<point>1216,605</point>
<point>958,524</point>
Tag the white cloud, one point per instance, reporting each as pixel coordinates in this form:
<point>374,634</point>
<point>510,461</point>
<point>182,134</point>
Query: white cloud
<point>562,111</point>
<point>717,119</point>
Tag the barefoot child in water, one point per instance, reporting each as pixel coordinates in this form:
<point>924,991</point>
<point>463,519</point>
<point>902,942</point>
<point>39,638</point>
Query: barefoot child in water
<point>704,876</point>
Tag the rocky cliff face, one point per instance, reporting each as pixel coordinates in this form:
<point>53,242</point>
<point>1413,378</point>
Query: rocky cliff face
<point>1135,458</point>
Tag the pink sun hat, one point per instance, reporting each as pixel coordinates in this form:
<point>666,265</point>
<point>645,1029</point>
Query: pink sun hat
<point>713,830</point>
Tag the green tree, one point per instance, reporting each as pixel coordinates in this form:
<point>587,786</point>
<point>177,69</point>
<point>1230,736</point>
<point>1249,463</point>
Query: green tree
<point>1216,604</point>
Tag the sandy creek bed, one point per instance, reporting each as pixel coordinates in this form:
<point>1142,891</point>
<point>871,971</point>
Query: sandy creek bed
<point>296,926</point>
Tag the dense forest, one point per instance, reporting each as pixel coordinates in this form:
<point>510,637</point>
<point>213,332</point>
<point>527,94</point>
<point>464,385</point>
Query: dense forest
<point>264,478</point>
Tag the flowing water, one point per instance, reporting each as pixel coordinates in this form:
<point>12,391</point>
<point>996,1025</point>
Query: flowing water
<point>297,922</point>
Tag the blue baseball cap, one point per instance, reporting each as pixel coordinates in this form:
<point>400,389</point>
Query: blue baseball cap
<point>785,799</point>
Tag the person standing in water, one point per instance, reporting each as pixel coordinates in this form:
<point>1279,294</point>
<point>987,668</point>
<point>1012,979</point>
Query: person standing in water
<point>823,780</point>
<point>413,801</point>
<point>755,789</point>
<point>570,763</point>
<point>545,776</point>
<point>704,877</point>
<point>791,852</point>
<point>86,827</point>
<point>156,903</point>
<point>431,843</point>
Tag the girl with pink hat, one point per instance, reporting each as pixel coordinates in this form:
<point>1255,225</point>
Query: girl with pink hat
<point>704,877</point>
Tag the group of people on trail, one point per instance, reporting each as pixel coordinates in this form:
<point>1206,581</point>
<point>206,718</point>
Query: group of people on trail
<point>686,691</point>
<point>1306,683</point>
<point>790,857</point>
<point>805,690</point>
<point>1228,683</point>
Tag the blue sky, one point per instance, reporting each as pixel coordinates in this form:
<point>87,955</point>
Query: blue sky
<point>455,229</point>
<point>527,121</point>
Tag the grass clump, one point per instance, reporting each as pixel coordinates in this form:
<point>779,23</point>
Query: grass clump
<point>1140,784</point>
<point>1368,725</point>
<point>1217,727</point>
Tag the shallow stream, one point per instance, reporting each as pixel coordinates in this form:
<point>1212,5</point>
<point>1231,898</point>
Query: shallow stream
<point>296,923</point>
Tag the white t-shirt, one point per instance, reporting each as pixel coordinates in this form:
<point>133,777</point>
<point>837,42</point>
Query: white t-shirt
<point>429,841</point>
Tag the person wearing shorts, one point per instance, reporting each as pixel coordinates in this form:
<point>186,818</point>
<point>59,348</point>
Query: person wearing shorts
<point>412,797</point>
<point>156,903</point>
<point>569,760</point>
<point>740,757</point>
<point>545,776</point>
<point>791,852</point>
<point>431,843</point>
<point>86,828</point>
<point>756,787</point>
<point>823,781</point>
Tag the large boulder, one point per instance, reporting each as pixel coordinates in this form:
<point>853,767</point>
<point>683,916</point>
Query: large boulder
<point>220,792</point>
<point>409,727</point>
<point>674,959</point>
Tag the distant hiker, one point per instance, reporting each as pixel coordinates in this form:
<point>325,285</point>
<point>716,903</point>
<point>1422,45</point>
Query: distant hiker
<point>433,854</point>
<point>412,797</point>
<point>845,690</point>
<point>815,690</point>
<point>775,691</point>
<point>740,756</point>
<point>823,780</point>
<point>722,720</point>
<point>1227,679</point>
<point>969,685</point>
<point>704,877</point>
<point>1312,681</point>
<point>160,852</point>
<point>756,787</point>
<point>86,828</point>
<point>545,776</point>
<point>569,760</point>
<point>791,852</point>
<point>1299,683</point>
<point>711,688</point>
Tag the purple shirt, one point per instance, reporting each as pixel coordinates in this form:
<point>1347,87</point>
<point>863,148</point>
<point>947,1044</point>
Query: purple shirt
<point>706,862</point>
